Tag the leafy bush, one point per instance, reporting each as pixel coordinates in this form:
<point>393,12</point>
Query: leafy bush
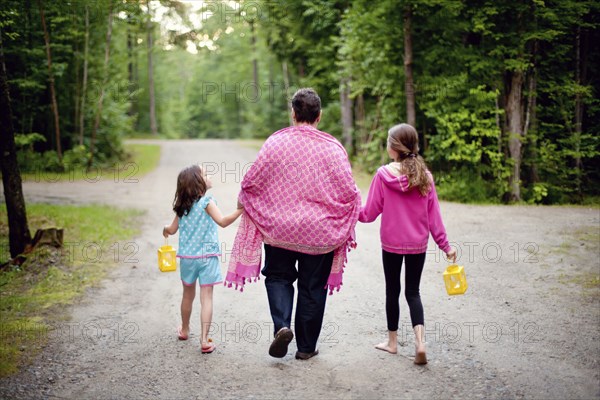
<point>30,161</point>
<point>51,162</point>
<point>537,193</point>
<point>465,186</point>
<point>78,156</point>
<point>28,140</point>
<point>331,118</point>
<point>27,158</point>
<point>371,154</point>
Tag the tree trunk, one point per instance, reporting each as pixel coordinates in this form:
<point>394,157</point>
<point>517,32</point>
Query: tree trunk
<point>134,81</point>
<point>85,75</point>
<point>531,116</point>
<point>19,236</point>
<point>409,86</point>
<point>498,125</point>
<point>424,137</point>
<point>254,60</point>
<point>26,124</point>
<point>130,64</point>
<point>286,84</point>
<point>359,111</point>
<point>272,106</point>
<point>359,120</point>
<point>578,111</point>
<point>347,117</point>
<point>153,126</point>
<point>532,138</point>
<point>77,95</point>
<point>102,88</point>
<point>301,72</point>
<point>51,81</point>
<point>514,119</point>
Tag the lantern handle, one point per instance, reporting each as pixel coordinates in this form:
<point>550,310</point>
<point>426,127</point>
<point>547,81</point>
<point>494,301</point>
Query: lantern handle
<point>452,268</point>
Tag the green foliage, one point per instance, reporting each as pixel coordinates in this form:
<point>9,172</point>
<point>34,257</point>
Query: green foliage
<point>51,162</point>
<point>77,157</point>
<point>467,134</point>
<point>330,121</point>
<point>213,94</point>
<point>25,56</point>
<point>538,193</point>
<point>28,140</point>
<point>463,52</point>
<point>372,153</point>
<point>464,55</point>
<point>139,159</point>
<point>465,186</point>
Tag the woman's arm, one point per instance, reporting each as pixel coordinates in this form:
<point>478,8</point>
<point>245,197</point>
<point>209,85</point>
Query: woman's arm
<point>171,229</point>
<point>370,211</point>
<point>217,216</point>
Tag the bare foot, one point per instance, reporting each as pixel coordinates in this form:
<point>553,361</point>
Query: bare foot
<point>385,346</point>
<point>420,355</point>
<point>182,334</point>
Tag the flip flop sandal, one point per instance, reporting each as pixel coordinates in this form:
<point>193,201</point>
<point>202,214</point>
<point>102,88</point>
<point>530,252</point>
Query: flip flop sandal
<point>180,335</point>
<point>208,349</point>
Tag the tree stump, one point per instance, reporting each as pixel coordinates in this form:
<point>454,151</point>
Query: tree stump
<point>43,237</point>
<point>50,237</point>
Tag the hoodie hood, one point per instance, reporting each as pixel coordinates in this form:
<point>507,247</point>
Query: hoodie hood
<point>407,217</point>
<point>393,179</point>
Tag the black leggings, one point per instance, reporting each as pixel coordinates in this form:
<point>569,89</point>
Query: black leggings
<point>392,266</point>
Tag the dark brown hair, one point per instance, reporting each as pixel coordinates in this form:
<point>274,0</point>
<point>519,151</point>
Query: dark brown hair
<point>307,105</point>
<point>191,186</point>
<point>404,139</point>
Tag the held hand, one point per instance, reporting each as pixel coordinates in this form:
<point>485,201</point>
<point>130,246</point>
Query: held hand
<point>451,255</point>
<point>165,233</point>
<point>239,206</point>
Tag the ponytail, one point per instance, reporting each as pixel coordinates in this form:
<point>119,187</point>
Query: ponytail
<point>416,170</point>
<point>404,140</point>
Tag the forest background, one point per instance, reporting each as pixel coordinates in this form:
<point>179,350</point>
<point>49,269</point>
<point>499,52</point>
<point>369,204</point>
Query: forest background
<point>504,93</point>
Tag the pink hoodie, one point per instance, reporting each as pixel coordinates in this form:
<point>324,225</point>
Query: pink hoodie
<point>407,217</point>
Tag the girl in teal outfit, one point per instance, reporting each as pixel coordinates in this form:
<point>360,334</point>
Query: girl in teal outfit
<point>197,216</point>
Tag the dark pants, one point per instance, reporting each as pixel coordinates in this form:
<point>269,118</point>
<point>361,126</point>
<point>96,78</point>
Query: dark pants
<point>392,266</point>
<point>312,273</point>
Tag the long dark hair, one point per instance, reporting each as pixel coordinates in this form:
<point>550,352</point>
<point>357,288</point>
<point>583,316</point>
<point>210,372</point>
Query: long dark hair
<point>191,186</point>
<point>404,139</point>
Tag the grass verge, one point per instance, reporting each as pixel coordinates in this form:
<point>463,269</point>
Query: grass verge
<point>142,159</point>
<point>31,296</point>
<point>254,144</point>
<point>145,156</point>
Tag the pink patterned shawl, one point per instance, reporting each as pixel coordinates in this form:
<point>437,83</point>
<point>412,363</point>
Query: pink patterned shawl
<point>299,195</point>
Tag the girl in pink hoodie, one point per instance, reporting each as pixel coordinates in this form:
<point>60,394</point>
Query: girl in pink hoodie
<point>404,193</point>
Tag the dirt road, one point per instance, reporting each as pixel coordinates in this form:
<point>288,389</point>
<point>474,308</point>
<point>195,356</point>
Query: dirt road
<point>528,326</point>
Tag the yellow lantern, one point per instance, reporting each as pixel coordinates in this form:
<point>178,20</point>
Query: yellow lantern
<point>167,258</point>
<point>455,280</point>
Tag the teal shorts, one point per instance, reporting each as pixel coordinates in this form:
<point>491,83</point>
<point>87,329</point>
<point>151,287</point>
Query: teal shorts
<point>206,270</point>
